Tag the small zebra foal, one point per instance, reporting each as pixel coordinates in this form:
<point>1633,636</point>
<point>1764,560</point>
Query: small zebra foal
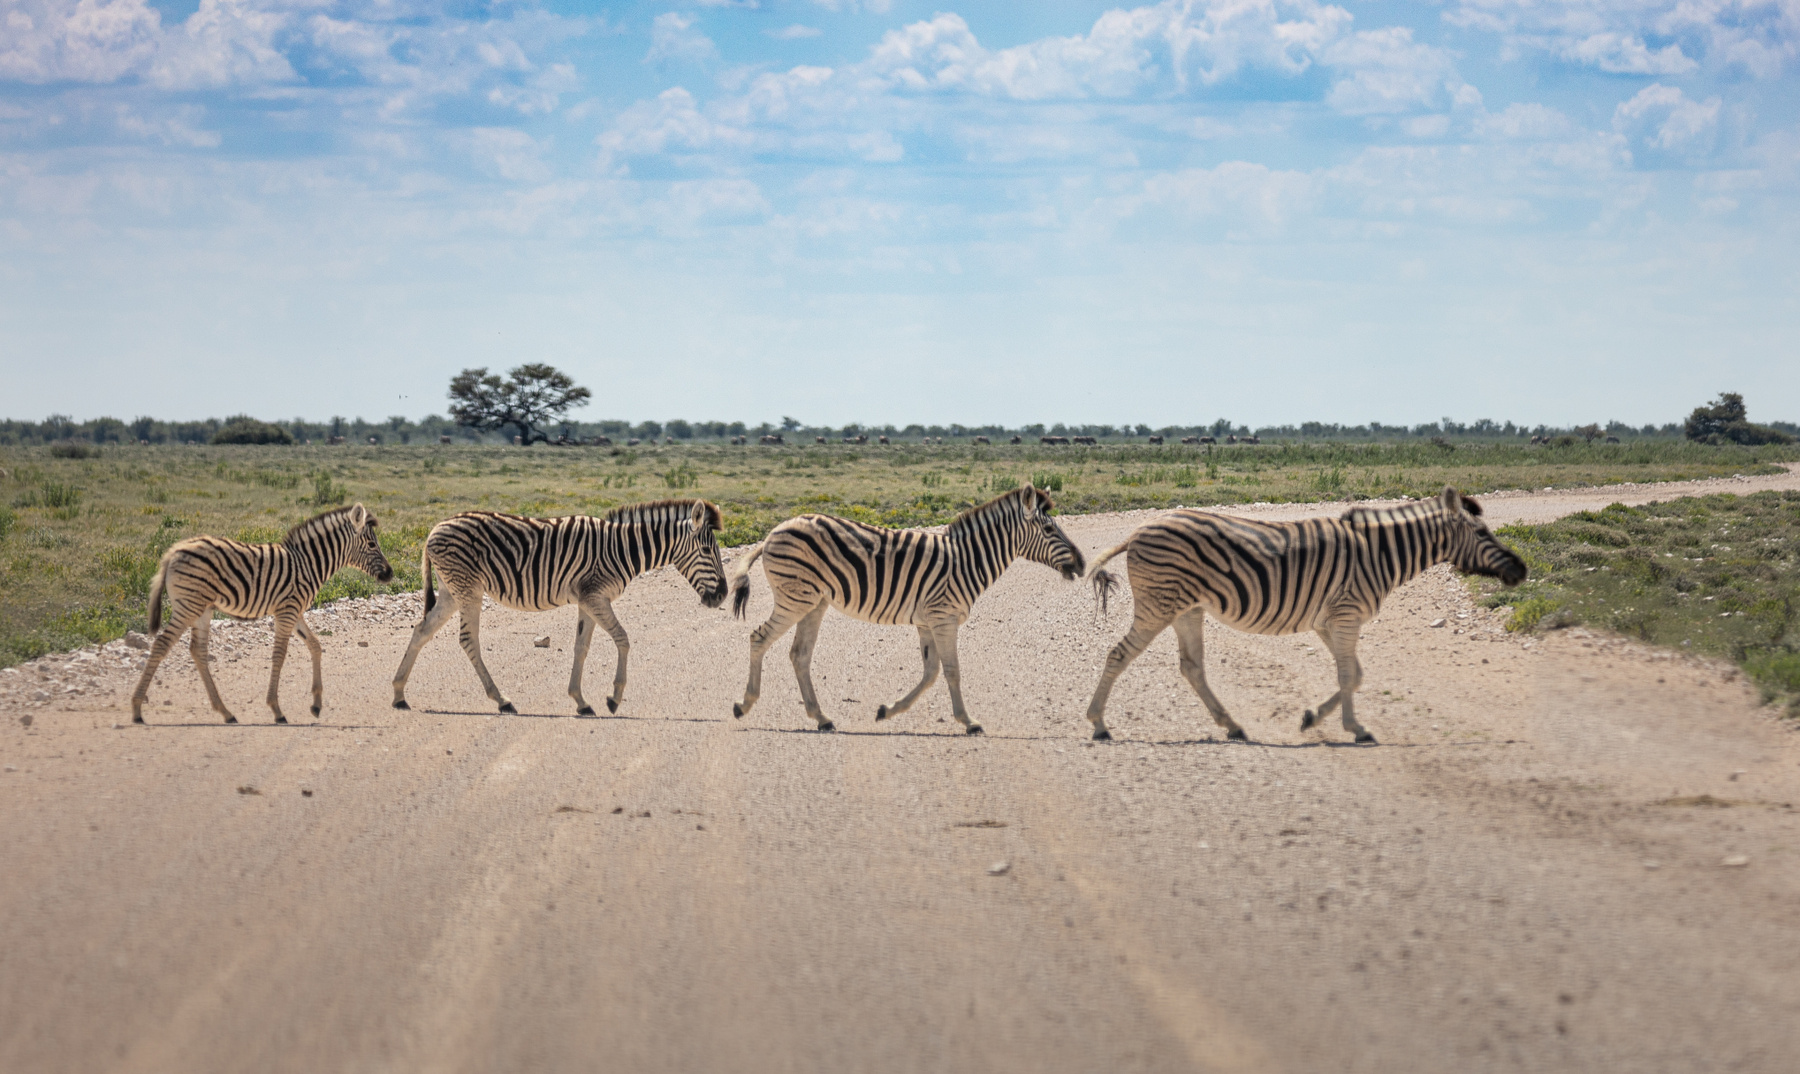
<point>896,577</point>
<point>1327,575</point>
<point>249,581</point>
<point>536,564</point>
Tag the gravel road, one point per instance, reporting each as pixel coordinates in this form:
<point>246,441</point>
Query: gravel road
<point>1568,853</point>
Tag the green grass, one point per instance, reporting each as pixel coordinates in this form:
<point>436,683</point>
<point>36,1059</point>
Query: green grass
<point>1717,575</point>
<point>80,534</point>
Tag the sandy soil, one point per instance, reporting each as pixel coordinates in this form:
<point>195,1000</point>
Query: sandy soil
<point>1529,873</point>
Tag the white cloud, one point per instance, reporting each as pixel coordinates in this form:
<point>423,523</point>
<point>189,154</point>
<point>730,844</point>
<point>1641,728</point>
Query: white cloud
<point>673,38</point>
<point>225,42</point>
<point>1663,117</point>
<point>794,32</point>
<point>1759,36</point>
<point>85,41</point>
<point>1387,71</point>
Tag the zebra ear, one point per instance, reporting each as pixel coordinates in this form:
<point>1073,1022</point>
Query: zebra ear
<point>1451,499</point>
<point>359,516</point>
<point>699,516</point>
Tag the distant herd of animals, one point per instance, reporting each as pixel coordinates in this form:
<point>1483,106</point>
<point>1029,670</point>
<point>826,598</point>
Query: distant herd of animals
<point>1326,575</point>
<point>779,440</point>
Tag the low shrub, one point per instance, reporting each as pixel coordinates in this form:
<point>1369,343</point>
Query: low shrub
<point>247,430</point>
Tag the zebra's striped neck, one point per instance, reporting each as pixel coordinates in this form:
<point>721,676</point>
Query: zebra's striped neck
<point>985,540</point>
<point>1406,541</point>
<point>649,532</point>
<point>321,545</point>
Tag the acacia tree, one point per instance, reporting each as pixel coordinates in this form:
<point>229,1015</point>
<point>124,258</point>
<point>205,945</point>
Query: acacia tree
<point>529,396</point>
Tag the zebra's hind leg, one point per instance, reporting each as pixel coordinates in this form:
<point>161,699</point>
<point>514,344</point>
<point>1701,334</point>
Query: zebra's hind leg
<point>783,617</point>
<point>1341,638</point>
<point>470,636</point>
<point>806,637</point>
<point>444,605</point>
<point>928,654</point>
<point>166,638</point>
<point>1144,629</point>
<point>1190,631</point>
<point>945,636</point>
<point>197,646</point>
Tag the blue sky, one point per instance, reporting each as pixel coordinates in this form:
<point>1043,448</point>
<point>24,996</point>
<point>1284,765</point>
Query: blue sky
<point>857,210</point>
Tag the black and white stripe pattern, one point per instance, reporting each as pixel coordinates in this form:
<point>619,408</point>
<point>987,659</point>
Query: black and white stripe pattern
<point>536,564</point>
<point>926,580</point>
<point>249,581</point>
<point>1327,575</point>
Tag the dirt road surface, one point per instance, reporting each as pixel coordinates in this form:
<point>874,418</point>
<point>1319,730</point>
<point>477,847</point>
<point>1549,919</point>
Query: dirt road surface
<point>1566,854</point>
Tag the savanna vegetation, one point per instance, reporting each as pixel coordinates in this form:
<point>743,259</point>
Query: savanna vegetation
<point>81,530</point>
<point>1718,575</point>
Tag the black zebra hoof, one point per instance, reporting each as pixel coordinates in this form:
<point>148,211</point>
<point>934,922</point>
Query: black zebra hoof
<point>281,719</point>
<point>1309,721</point>
<point>1236,734</point>
<point>137,718</point>
<point>828,726</point>
<point>611,705</point>
<point>881,714</point>
<point>585,710</point>
<point>230,718</point>
<point>1364,736</point>
<point>1101,734</point>
<point>315,710</point>
<point>507,707</point>
<point>974,729</point>
<point>400,703</point>
<point>737,710</point>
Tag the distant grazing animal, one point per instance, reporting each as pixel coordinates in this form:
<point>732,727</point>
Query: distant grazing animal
<point>249,581</point>
<point>769,441</point>
<point>1190,440</point>
<point>1087,441</point>
<point>818,440</point>
<point>1016,440</point>
<point>982,440</point>
<point>1206,440</point>
<point>1252,439</point>
<point>1156,440</point>
<point>536,564</point>
<point>1054,441</point>
<point>883,440</point>
<point>895,577</point>
<point>443,440</point>
<point>1612,439</point>
<point>1327,575</point>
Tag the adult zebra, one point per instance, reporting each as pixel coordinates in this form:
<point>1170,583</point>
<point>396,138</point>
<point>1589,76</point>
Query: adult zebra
<point>1327,575</point>
<point>249,581</point>
<point>928,580</point>
<point>536,564</point>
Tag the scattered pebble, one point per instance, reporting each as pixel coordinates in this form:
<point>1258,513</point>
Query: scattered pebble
<point>362,644</point>
<point>1436,623</point>
<point>245,789</point>
<point>26,720</point>
<point>1735,861</point>
<point>304,793</point>
<point>542,641</point>
<point>1653,865</point>
<point>1000,868</point>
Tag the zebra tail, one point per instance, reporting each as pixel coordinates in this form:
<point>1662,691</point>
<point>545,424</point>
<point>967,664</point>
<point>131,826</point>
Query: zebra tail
<point>425,572</point>
<point>1104,581</point>
<point>740,578</point>
<point>156,593</point>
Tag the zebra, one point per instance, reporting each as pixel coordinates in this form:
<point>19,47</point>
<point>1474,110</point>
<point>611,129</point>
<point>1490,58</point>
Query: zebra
<point>1327,575</point>
<point>249,581</point>
<point>894,577</point>
<point>536,564</point>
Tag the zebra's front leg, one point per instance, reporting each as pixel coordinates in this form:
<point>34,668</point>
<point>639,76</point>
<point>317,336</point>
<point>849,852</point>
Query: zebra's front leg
<point>1144,630</point>
<point>806,637</point>
<point>197,647</point>
<point>945,637</point>
<point>159,650</point>
<point>470,636</point>
<point>783,617</point>
<point>1190,631</point>
<point>442,608</point>
<point>284,629</point>
<point>318,663</point>
<point>602,611</point>
<point>928,654</point>
<point>1341,638</point>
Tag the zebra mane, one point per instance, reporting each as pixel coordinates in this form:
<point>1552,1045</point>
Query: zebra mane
<point>655,511</point>
<point>318,523</point>
<point>967,519</point>
<point>1426,508</point>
